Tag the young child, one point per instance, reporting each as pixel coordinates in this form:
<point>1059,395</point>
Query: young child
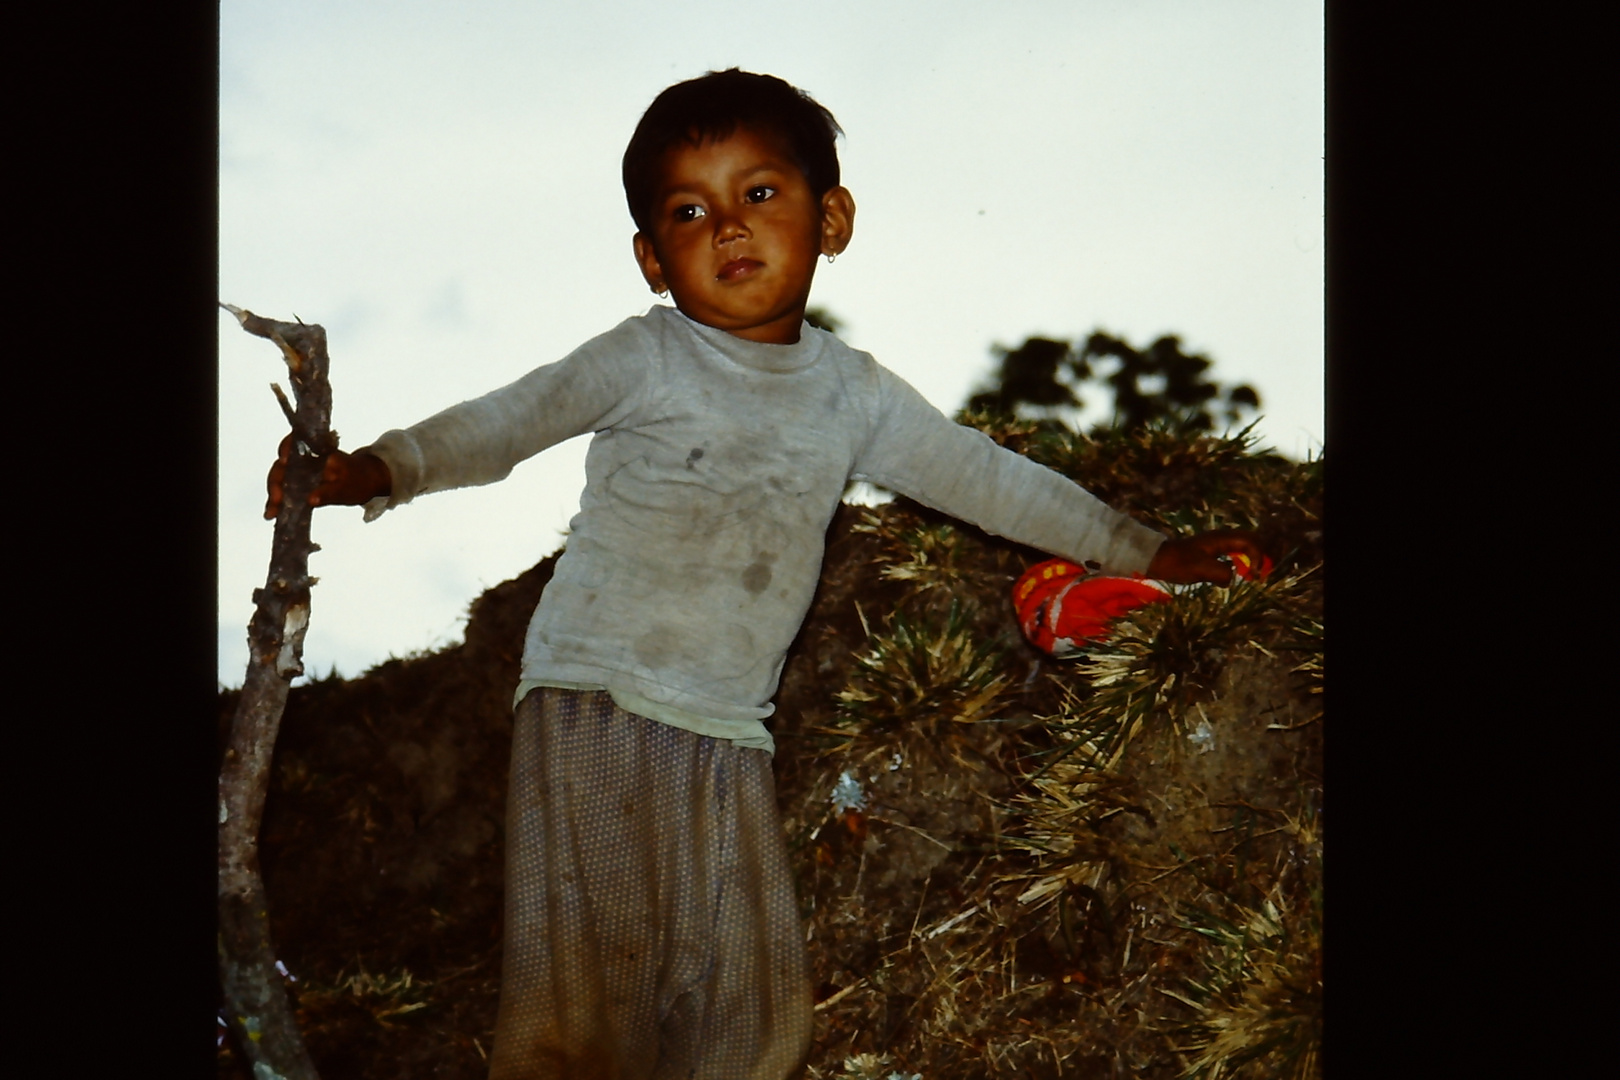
<point>651,922</point>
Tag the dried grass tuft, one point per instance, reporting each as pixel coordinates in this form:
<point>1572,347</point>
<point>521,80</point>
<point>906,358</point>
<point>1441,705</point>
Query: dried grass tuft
<point>924,554</point>
<point>921,672</point>
<point>1307,641</point>
<point>384,996</point>
<point>1162,660</point>
<point>863,1067</point>
<point>1258,1003</point>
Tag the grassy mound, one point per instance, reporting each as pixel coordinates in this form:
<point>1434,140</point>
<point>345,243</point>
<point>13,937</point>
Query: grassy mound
<point>1008,865</point>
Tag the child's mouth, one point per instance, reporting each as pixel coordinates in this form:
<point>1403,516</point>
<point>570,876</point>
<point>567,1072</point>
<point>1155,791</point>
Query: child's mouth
<point>738,268</point>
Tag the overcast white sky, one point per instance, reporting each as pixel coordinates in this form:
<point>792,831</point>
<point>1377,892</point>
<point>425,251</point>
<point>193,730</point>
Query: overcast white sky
<point>437,183</point>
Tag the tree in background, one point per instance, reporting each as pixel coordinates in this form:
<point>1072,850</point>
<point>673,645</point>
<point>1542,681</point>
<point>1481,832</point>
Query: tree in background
<point>1157,385</point>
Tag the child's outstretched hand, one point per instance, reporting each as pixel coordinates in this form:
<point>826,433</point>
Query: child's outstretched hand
<point>1191,559</point>
<point>346,480</point>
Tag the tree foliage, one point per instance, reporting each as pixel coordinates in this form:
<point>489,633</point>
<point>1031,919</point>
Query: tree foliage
<point>1157,385</point>
<point>822,319</point>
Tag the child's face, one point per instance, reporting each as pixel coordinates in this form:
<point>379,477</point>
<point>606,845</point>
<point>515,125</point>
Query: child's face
<point>735,235</point>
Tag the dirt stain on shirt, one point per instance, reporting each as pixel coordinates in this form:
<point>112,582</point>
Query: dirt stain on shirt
<point>757,578</point>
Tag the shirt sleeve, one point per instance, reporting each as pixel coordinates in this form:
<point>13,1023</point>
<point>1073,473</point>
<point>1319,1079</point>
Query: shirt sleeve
<point>916,450</point>
<point>479,441</point>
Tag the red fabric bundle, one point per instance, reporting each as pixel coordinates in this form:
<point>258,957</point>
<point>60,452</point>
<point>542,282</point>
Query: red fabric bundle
<point>1062,606</point>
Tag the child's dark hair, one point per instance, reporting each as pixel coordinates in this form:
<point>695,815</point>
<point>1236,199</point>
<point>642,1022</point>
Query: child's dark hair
<point>714,106</point>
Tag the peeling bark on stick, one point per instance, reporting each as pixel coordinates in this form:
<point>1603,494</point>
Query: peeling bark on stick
<point>255,1000</point>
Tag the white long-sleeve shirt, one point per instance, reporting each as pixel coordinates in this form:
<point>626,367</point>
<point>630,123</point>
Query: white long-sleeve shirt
<point>715,468</point>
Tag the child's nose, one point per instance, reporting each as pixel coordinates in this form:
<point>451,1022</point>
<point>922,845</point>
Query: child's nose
<point>729,226</point>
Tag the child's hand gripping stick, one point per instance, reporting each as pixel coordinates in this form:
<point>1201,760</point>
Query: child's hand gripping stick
<point>346,480</point>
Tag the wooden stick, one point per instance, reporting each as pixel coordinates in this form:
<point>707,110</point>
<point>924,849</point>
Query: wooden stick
<point>256,1002</point>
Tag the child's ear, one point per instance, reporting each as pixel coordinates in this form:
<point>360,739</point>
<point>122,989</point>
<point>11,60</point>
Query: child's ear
<point>647,259</point>
<point>837,220</point>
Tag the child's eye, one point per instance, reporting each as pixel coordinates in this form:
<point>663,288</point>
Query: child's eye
<point>689,212</point>
<point>760,192</point>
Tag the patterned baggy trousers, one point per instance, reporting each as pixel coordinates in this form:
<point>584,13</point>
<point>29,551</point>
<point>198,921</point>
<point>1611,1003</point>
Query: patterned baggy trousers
<point>652,930</point>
